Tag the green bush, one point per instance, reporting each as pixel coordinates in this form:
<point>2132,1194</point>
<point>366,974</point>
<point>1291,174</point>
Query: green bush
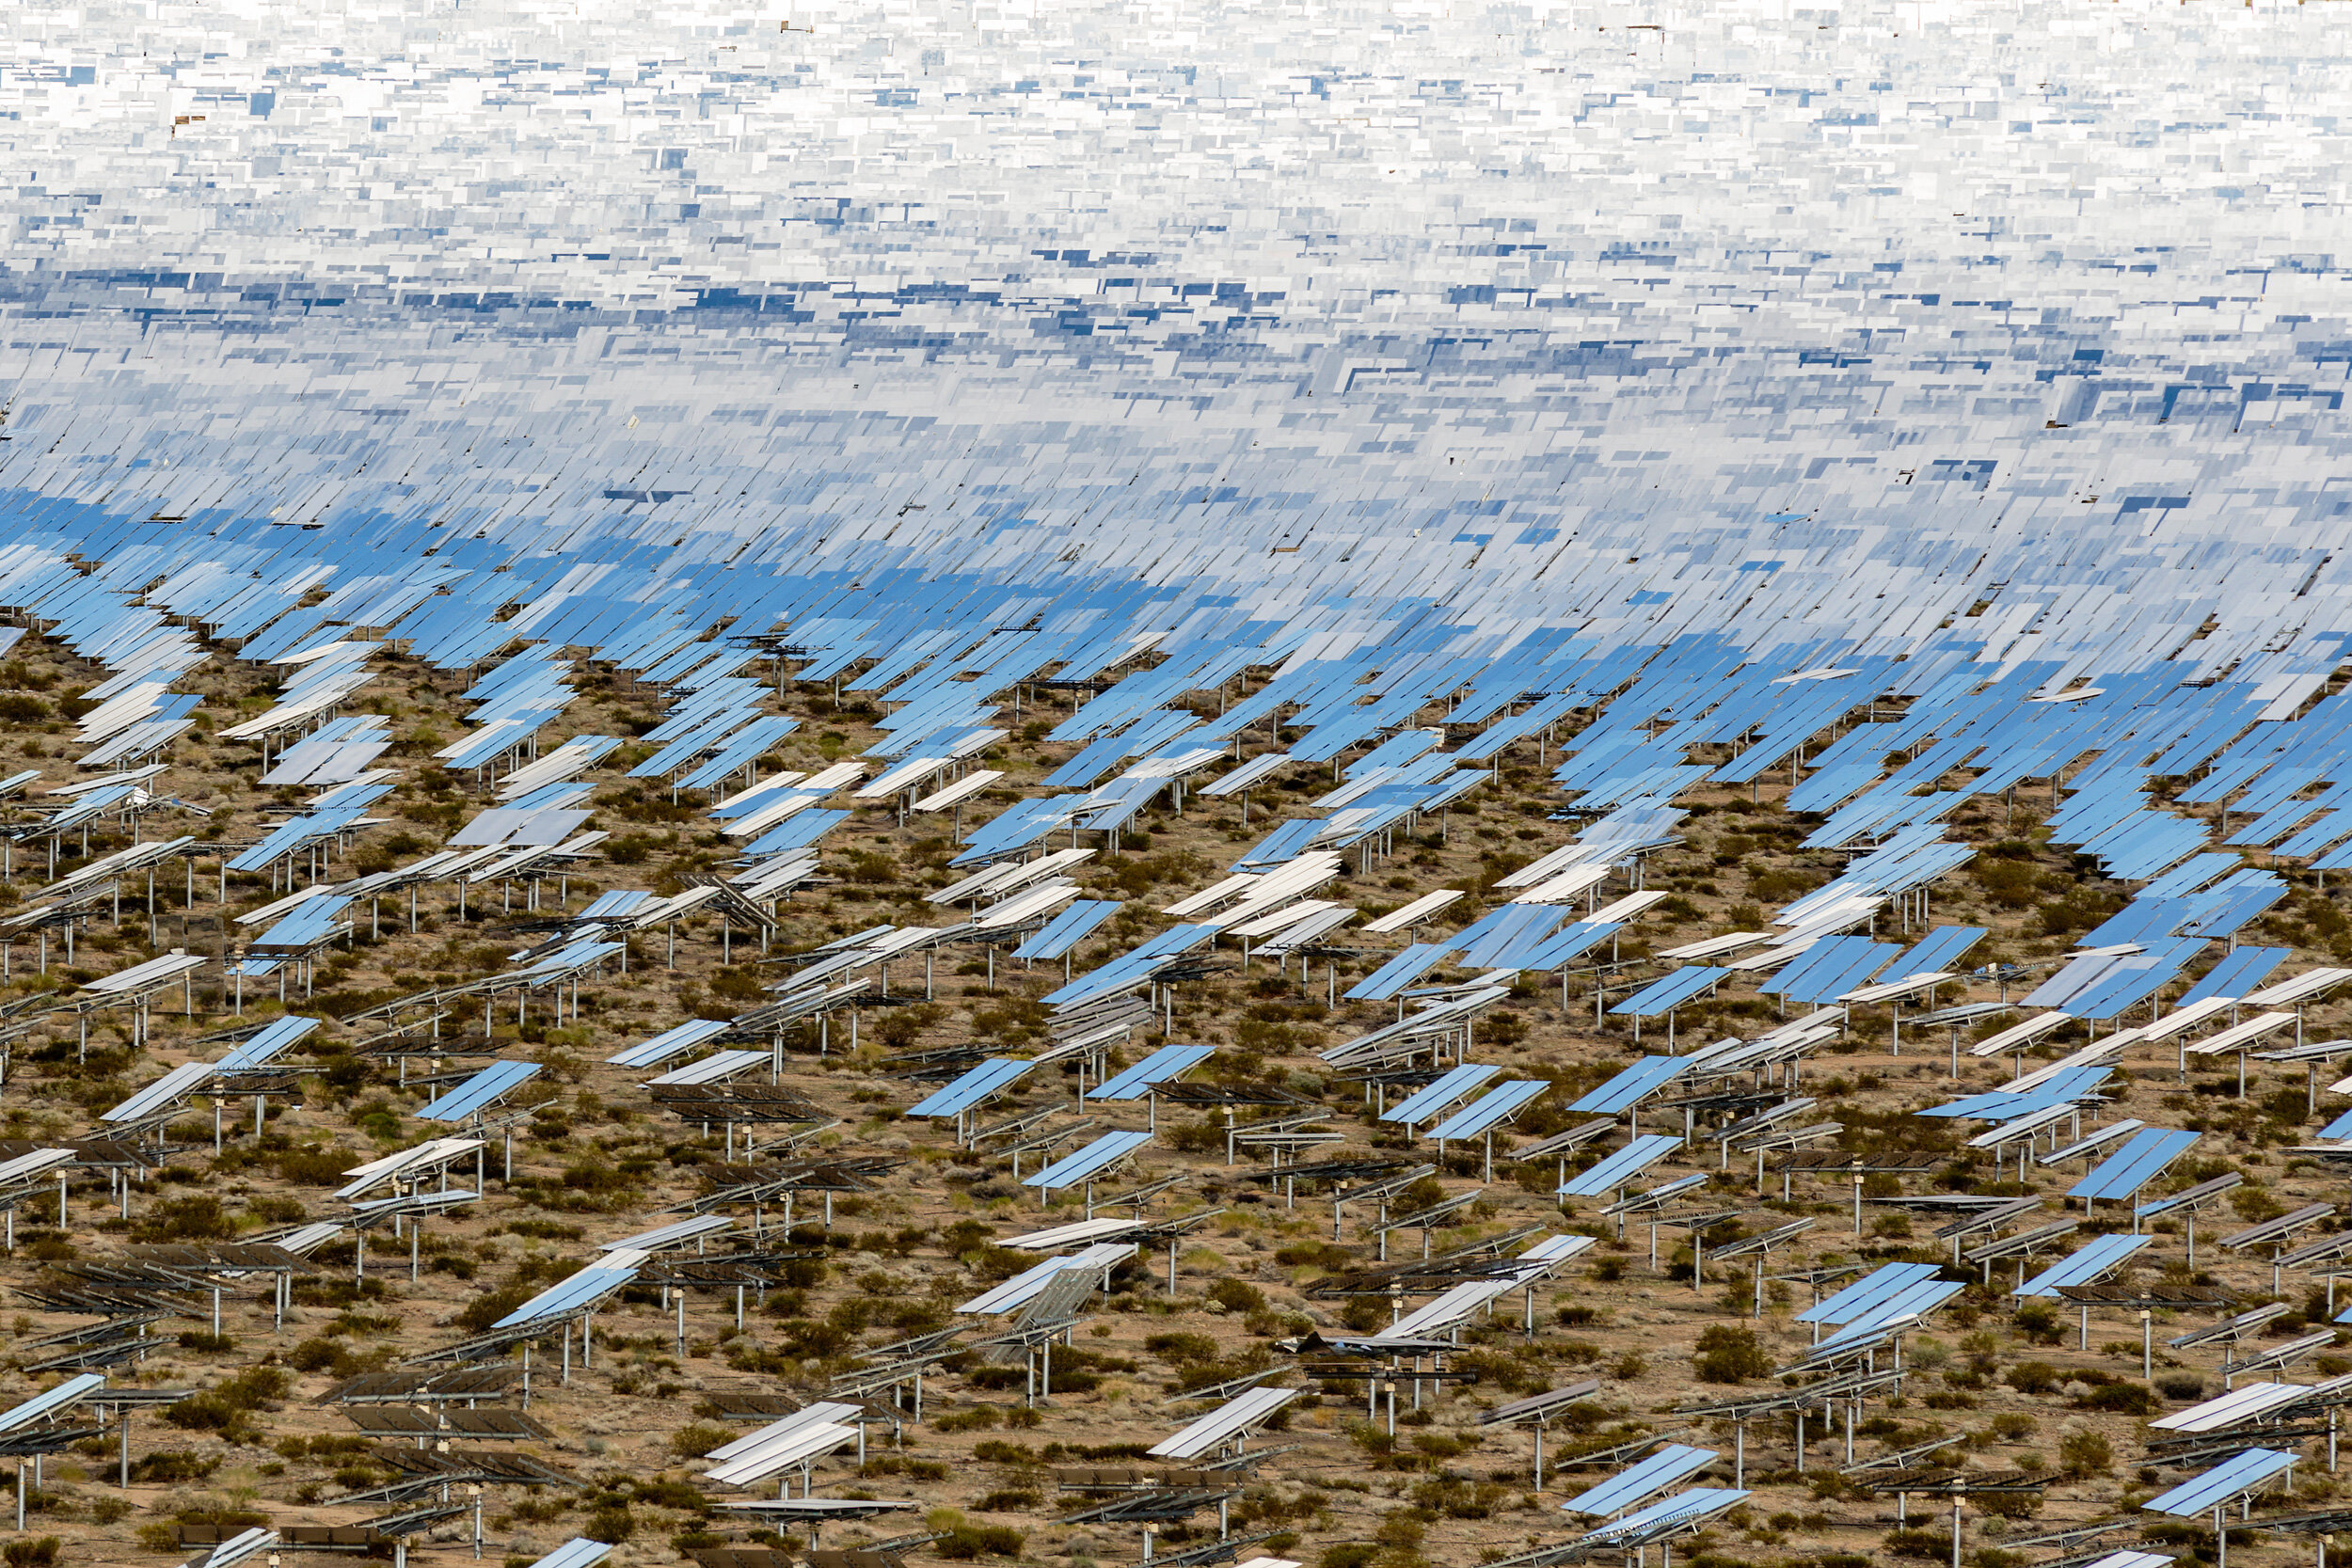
<point>1931,1545</point>
<point>2085,1453</point>
<point>2039,1321</point>
<point>1729,1353</point>
<point>315,1167</point>
<point>1181,1347</point>
<point>205,1411</point>
<point>323,1356</point>
<point>172,1465</point>
<point>611,1524</point>
<point>1236,1295</point>
<point>198,1217</point>
<point>2120,1399</point>
<point>2033,1377</point>
<point>964,1543</point>
<point>979,1418</point>
<point>489,1306</point>
<point>692,1442</point>
<point>256,1387</point>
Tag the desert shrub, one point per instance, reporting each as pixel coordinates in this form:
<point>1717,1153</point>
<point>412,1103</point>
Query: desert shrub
<point>315,1167</point>
<point>323,1356</point>
<point>2039,1322</point>
<point>1918,1542</point>
<point>698,1438</point>
<point>1729,1353</point>
<point>489,1306</point>
<point>2085,1453</point>
<point>979,1418</point>
<point>198,1217</point>
<point>613,1524</point>
<point>1181,1347</point>
<point>2033,1377</point>
<point>2122,1399</point>
<point>171,1466</point>
<point>1237,1295</point>
<point>965,1542</point>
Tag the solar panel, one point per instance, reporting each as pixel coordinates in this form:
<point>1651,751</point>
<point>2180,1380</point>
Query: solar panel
<point>1629,1489</point>
<point>741,750</point>
<point>669,1043</point>
<point>1135,1083</point>
<point>1500,927</point>
<point>574,1293</point>
<point>1227,1424</point>
<point>50,1400</point>
<point>1029,904</point>
<point>1664,995</point>
<point>823,1413</point>
<point>1418,909</point>
<point>786,1451</point>
<point>1883,1320</point>
<point>1564,946</point>
<point>2120,1175</point>
<point>1620,1168</point>
<point>271,1040</point>
<point>1013,1293</point>
<point>2246,1403</point>
<point>1085,1164</point>
<point>1630,1085</point>
<point>1391,977</point>
<point>1830,969</point>
<point>2238,973</point>
<point>1489,1111</point>
<point>579,1552</point>
<point>1437,1317</point>
<point>434,1154</point>
<point>2102,1257</point>
<point>1680,1511</point>
<point>714,1069</point>
<point>241,1548</point>
<point>2297,987</point>
<point>797,832</point>
<point>481,1091</point>
<point>2188,1197</point>
<point>1078,1233</point>
<point>2001,1105</point>
<point>970,1087</point>
<point>172,1088</point>
<point>1451,1086</point>
<point>2096,1141</point>
<point>2224,1484</point>
<point>2131,978</point>
<point>1940,950</point>
<point>1865,1295</point>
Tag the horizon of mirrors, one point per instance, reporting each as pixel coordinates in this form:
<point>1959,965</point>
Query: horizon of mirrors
<point>1882,747</point>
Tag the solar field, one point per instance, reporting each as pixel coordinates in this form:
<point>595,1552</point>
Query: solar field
<point>1354,788</point>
